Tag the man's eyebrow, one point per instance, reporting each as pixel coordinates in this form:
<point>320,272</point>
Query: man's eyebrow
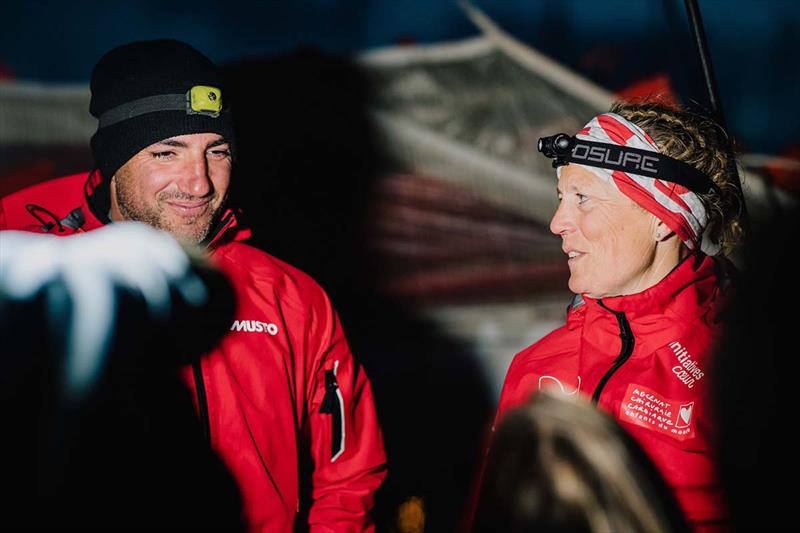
<point>173,143</point>
<point>217,142</point>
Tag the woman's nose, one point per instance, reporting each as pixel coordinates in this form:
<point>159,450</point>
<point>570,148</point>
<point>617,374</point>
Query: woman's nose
<point>562,219</point>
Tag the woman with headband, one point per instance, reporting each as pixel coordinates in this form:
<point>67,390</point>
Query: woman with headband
<point>639,188</point>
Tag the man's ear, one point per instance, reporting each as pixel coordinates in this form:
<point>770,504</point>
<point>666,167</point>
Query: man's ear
<point>114,213</point>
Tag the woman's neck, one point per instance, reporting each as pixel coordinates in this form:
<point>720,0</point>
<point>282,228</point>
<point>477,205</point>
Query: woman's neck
<point>667,255</point>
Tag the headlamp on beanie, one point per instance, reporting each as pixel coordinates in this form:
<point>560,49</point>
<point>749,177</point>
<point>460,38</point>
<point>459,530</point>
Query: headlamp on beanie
<point>148,91</point>
<point>199,100</point>
<point>204,100</point>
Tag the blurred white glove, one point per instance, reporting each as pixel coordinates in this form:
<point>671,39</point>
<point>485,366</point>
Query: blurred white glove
<point>81,274</point>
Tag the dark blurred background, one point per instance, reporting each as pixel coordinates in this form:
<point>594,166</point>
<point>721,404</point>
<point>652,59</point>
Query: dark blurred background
<point>754,43</point>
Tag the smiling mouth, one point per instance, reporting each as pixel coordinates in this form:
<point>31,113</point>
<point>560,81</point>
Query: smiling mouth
<point>574,256</point>
<point>188,208</point>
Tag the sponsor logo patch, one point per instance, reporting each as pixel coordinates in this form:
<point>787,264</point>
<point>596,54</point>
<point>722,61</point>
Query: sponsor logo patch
<point>552,383</point>
<point>646,408</point>
<point>254,326</point>
<point>616,155</point>
<point>687,370</point>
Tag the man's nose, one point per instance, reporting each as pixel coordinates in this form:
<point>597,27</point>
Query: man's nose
<point>196,180</point>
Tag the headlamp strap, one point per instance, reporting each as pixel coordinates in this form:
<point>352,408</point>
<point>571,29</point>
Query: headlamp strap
<point>199,100</point>
<point>636,161</point>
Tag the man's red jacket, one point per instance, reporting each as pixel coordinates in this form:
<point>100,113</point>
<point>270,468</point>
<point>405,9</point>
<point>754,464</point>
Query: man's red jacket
<point>645,359</point>
<point>283,379</point>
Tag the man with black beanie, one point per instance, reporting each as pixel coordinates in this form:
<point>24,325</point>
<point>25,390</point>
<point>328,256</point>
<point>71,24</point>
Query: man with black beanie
<point>143,94</point>
<point>281,393</point>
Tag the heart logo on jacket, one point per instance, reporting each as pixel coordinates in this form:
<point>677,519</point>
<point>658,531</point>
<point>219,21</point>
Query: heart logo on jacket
<point>685,415</point>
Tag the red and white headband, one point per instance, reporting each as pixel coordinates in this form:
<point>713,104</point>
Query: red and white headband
<point>622,154</point>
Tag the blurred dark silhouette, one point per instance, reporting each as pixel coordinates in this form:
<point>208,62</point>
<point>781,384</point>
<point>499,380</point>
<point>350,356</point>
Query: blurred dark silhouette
<point>102,434</point>
<point>558,464</point>
<point>755,385</point>
<point>308,162</point>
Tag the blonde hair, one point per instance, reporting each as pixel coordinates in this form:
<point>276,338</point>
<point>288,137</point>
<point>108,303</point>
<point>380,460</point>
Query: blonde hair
<point>703,144</point>
<point>559,464</point>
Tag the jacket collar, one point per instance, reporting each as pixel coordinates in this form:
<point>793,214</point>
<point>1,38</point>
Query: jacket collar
<point>691,282</point>
<point>97,204</point>
<point>690,296</point>
<point>227,229</point>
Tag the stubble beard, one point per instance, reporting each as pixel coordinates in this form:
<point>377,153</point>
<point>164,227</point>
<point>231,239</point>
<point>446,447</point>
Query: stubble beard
<point>186,229</point>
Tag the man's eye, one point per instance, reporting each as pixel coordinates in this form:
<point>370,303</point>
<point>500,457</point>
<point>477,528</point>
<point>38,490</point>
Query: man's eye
<point>221,153</point>
<point>162,155</point>
<point>581,197</point>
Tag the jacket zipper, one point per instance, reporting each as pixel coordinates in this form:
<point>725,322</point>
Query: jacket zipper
<point>628,341</point>
<point>197,368</point>
<point>202,401</point>
<point>333,404</point>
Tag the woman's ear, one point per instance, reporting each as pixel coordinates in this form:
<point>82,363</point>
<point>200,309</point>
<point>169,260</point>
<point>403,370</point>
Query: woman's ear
<point>661,231</point>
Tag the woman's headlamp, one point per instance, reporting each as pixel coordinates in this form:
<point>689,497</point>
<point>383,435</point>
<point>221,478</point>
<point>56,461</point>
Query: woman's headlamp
<point>564,149</point>
<point>557,147</point>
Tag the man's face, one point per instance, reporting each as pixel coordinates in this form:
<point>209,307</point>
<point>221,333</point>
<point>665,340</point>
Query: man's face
<point>177,185</point>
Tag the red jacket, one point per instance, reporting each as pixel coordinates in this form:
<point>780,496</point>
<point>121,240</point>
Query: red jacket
<point>282,377</point>
<point>645,359</point>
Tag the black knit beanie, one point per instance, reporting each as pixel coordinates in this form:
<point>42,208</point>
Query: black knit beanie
<point>148,91</point>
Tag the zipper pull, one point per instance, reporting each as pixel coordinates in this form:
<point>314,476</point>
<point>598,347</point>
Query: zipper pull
<point>329,400</point>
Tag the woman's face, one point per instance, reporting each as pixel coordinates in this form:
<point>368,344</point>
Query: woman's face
<point>608,238</point>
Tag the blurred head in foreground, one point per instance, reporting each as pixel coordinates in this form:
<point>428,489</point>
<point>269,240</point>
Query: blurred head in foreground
<point>559,464</point>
